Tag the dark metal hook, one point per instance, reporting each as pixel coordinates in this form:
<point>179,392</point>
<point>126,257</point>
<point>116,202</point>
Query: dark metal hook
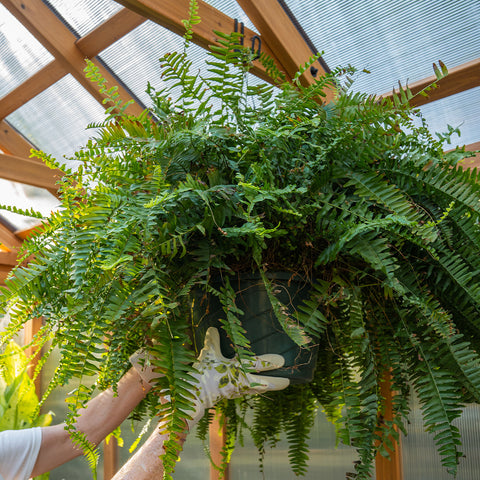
<point>242,30</point>
<point>256,39</point>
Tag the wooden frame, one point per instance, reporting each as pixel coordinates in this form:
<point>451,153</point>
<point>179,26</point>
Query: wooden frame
<point>61,43</point>
<point>459,79</point>
<point>283,37</point>
<point>9,239</point>
<point>28,171</point>
<point>12,142</point>
<point>217,438</point>
<point>118,25</point>
<point>472,162</point>
<point>37,83</point>
<point>389,468</point>
<point>170,13</point>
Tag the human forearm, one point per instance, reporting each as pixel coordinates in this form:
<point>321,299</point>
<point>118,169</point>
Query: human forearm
<point>107,411</point>
<point>146,464</point>
<point>102,415</point>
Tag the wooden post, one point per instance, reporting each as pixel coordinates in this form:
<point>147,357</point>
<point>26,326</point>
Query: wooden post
<point>31,329</point>
<point>389,469</point>
<point>110,458</point>
<point>217,435</point>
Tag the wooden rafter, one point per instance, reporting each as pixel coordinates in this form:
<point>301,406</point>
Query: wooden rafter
<point>8,259</point>
<point>61,43</point>
<point>459,79</point>
<point>12,142</point>
<point>28,171</point>
<point>283,37</point>
<point>9,239</point>
<point>472,162</point>
<point>4,271</point>
<point>217,441</point>
<point>90,45</point>
<point>37,83</point>
<point>118,25</point>
<point>170,13</point>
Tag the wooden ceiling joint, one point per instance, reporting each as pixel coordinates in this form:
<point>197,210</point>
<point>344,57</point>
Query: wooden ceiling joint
<point>12,142</point>
<point>459,79</point>
<point>170,13</point>
<point>28,171</point>
<point>37,83</point>
<point>284,39</point>
<point>8,259</point>
<point>17,148</point>
<point>61,43</point>
<point>4,271</point>
<point>107,33</point>
<point>472,162</point>
<point>9,239</point>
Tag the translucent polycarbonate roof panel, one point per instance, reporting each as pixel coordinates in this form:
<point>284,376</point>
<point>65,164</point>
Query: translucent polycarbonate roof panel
<point>460,110</point>
<point>394,39</point>
<point>83,16</point>
<point>233,10</point>
<point>25,197</point>
<point>56,119</point>
<point>21,55</point>
<point>135,57</point>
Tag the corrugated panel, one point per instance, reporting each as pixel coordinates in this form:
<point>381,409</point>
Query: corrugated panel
<point>460,110</point>
<point>399,40</point>
<point>233,10</point>
<point>21,55</point>
<point>135,57</point>
<point>83,16</point>
<point>327,461</point>
<point>421,460</point>
<point>26,197</point>
<point>394,39</point>
<point>56,119</point>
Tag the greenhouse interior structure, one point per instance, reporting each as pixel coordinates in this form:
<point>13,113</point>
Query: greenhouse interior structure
<point>73,73</point>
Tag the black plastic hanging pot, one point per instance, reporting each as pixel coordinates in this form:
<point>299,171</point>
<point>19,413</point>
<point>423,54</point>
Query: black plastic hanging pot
<point>259,321</point>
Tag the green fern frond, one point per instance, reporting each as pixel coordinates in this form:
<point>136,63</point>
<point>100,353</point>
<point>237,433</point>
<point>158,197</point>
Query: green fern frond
<point>441,404</point>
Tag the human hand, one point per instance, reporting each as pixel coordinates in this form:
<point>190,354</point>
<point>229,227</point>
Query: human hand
<point>141,361</point>
<point>219,377</point>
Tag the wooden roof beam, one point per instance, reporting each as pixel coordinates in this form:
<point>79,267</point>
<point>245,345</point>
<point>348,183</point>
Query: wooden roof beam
<point>90,45</point>
<point>37,83</point>
<point>459,79</point>
<point>472,162</point>
<point>170,13</point>
<point>4,271</point>
<point>8,259</point>
<point>283,37</point>
<point>9,239</point>
<point>28,171</point>
<point>100,38</point>
<point>61,43</point>
<point>12,142</point>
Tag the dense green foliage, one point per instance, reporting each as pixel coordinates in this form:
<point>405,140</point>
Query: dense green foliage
<point>355,195</point>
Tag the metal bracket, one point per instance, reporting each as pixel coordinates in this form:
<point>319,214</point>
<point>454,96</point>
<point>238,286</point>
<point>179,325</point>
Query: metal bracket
<point>256,45</point>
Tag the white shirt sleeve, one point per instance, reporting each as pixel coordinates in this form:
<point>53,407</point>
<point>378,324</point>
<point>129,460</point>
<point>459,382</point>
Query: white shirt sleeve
<point>18,452</point>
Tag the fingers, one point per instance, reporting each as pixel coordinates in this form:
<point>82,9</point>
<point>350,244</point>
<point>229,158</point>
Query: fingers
<point>211,345</point>
<point>269,361</point>
<point>266,384</point>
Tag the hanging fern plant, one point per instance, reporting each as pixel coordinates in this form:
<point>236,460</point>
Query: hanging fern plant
<point>356,196</point>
